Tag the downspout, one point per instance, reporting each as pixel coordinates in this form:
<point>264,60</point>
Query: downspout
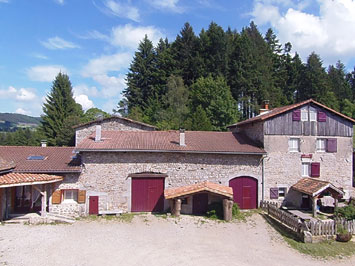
<point>263,177</point>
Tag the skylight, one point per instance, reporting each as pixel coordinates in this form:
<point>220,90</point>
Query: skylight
<point>36,157</point>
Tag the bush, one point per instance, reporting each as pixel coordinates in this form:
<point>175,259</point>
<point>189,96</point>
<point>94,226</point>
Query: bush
<point>235,210</point>
<point>215,211</point>
<point>348,212</point>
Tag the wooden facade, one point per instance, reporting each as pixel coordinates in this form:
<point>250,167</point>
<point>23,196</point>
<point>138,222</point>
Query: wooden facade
<point>283,124</point>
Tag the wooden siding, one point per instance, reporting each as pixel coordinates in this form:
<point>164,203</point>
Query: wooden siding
<point>283,125</point>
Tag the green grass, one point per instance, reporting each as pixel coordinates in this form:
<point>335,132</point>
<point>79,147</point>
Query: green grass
<point>325,249</point>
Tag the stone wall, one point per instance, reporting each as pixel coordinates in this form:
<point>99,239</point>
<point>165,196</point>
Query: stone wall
<point>284,168</point>
<point>254,131</point>
<point>107,173</point>
<point>112,124</point>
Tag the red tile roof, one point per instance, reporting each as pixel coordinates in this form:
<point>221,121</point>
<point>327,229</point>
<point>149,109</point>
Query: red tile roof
<point>5,165</point>
<point>168,141</point>
<point>283,109</point>
<point>313,187</point>
<point>115,118</point>
<point>56,159</point>
<point>171,193</point>
<point>21,178</point>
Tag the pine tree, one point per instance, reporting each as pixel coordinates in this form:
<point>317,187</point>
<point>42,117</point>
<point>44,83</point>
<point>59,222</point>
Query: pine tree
<point>59,106</point>
<point>200,121</point>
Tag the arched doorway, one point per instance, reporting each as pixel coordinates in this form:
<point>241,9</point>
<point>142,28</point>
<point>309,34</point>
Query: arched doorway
<point>245,191</point>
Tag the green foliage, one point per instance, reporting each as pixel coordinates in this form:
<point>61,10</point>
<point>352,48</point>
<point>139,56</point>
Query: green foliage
<point>235,210</point>
<point>93,114</point>
<point>11,122</point>
<point>347,212</point>
<point>215,211</point>
<point>22,137</point>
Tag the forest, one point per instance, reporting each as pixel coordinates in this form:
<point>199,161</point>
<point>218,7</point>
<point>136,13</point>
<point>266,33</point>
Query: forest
<point>201,82</point>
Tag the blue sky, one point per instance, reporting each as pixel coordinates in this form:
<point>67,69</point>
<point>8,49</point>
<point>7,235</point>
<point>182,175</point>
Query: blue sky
<point>93,41</point>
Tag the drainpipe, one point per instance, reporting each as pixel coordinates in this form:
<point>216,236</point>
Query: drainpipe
<point>263,177</point>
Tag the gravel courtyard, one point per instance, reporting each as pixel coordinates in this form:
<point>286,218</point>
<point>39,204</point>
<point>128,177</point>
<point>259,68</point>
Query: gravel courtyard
<point>151,240</point>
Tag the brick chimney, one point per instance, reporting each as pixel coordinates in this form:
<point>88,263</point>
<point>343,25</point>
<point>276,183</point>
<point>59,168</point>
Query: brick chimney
<point>182,137</point>
<point>43,143</point>
<point>265,108</point>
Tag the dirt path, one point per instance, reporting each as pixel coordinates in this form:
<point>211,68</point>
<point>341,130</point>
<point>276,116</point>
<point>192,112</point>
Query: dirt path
<point>149,240</point>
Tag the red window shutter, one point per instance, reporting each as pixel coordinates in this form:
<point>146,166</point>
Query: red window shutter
<point>296,115</point>
<point>332,145</point>
<point>274,193</point>
<point>322,116</point>
<point>315,169</point>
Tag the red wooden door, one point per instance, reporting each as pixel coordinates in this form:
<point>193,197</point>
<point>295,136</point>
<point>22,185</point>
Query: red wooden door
<point>245,192</point>
<point>94,205</point>
<point>147,195</point>
<point>200,203</point>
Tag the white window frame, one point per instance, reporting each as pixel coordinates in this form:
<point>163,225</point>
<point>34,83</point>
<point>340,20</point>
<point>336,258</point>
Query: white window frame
<point>70,195</point>
<point>320,147</point>
<point>284,189</point>
<point>312,115</point>
<point>294,145</point>
<point>306,169</point>
<point>304,115</point>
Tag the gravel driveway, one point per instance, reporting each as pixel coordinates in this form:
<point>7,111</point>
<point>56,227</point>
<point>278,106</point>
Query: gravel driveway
<point>151,240</point>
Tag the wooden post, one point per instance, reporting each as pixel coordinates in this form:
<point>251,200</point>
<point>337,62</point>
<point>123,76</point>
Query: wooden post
<point>44,200</point>
<point>177,207</point>
<point>314,207</point>
<point>227,209</point>
<point>335,202</point>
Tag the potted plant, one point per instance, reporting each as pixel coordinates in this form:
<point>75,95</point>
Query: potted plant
<point>342,234</point>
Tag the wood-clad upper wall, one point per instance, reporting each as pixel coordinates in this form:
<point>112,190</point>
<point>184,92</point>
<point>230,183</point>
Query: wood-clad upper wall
<point>335,125</point>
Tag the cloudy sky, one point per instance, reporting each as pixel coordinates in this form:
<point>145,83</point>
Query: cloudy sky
<point>93,41</point>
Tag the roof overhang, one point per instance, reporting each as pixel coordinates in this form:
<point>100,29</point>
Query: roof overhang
<point>313,187</point>
<point>25,179</point>
<point>30,183</point>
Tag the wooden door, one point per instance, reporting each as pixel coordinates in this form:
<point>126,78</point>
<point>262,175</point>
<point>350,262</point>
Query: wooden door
<point>245,192</point>
<point>200,204</point>
<point>94,205</point>
<point>147,195</point>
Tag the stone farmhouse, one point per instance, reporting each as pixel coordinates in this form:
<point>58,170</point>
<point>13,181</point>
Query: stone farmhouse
<point>294,154</point>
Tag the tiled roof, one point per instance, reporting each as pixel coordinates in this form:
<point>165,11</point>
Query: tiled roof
<point>115,118</point>
<point>5,165</point>
<point>22,178</point>
<point>168,141</point>
<point>283,109</point>
<point>56,159</point>
<point>171,193</point>
<point>313,187</point>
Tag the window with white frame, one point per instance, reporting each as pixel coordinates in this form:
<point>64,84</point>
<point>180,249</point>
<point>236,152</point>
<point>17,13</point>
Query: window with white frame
<point>306,169</point>
<point>282,192</point>
<point>70,195</point>
<point>294,145</point>
<point>312,115</point>
<point>321,145</point>
<point>304,115</point>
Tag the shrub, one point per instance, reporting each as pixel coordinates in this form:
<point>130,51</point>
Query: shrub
<point>341,230</point>
<point>348,212</point>
<point>235,210</point>
<point>215,210</point>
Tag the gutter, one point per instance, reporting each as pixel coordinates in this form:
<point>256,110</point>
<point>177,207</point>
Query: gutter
<point>172,151</point>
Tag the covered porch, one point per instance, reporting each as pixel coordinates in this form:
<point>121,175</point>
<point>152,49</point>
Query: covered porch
<point>316,194</point>
<point>22,193</point>
<point>195,199</point>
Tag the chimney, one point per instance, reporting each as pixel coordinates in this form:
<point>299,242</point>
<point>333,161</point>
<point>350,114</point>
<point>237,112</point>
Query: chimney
<point>98,133</point>
<point>43,143</point>
<point>182,137</point>
<point>265,108</point>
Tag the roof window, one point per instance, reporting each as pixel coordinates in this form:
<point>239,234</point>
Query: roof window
<point>36,158</point>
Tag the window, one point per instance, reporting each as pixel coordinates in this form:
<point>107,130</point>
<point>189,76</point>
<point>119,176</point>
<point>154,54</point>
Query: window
<point>282,192</point>
<point>70,195</point>
<point>312,115</point>
<point>321,144</point>
<point>294,145</point>
<point>306,169</point>
<point>304,115</point>
<point>36,157</point>
<point>184,201</point>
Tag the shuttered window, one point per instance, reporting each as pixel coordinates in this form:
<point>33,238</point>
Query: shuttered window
<point>321,145</point>
<point>57,197</point>
<point>71,195</point>
<point>315,169</point>
<point>304,115</point>
<point>305,169</point>
<point>274,193</point>
<point>312,115</point>
<point>81,196</point>
<point>296,115</point>
<point>294,145</point>
<point>322,116</point>
<point>332,145</point>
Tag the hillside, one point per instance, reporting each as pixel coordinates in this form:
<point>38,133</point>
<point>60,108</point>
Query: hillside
<point>11,122</point>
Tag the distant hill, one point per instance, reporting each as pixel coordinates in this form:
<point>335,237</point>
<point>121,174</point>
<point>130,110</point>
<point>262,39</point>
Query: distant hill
<point>11,122</point>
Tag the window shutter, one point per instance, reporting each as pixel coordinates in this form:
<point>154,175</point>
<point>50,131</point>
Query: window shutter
<point>322,116</point>
<point>296,115</point>
<point>57,197</point>
<point>331,145</point>
<point>274,193</point>
<point>81,196</point>
<point>315,169</point>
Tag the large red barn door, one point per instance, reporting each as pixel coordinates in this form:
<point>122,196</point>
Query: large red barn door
<point>147,194</point>
<point>245,192</point>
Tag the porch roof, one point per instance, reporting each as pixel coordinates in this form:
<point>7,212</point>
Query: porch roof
<point>22,179</point>
<point>171,193</point>
<point>314,187</point>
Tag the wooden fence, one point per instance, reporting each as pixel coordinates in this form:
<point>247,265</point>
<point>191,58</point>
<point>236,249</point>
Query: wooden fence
<point>316,228</point>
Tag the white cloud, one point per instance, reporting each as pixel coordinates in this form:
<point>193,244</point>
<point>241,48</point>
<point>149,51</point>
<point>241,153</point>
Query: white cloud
<point>329,34</point>
<point>84,100</point>
<point>167,4</point>
<point>39,56</point>
<point>57,43</point>
<point>111,85</point>
<point>45,73</point>
<point>60,2</point>
<point>22,94</point>
<point>22,111</point>
<point>129,36</point>
<point>119,9</point>
<point>84,89</point>
<point>4,1</point>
